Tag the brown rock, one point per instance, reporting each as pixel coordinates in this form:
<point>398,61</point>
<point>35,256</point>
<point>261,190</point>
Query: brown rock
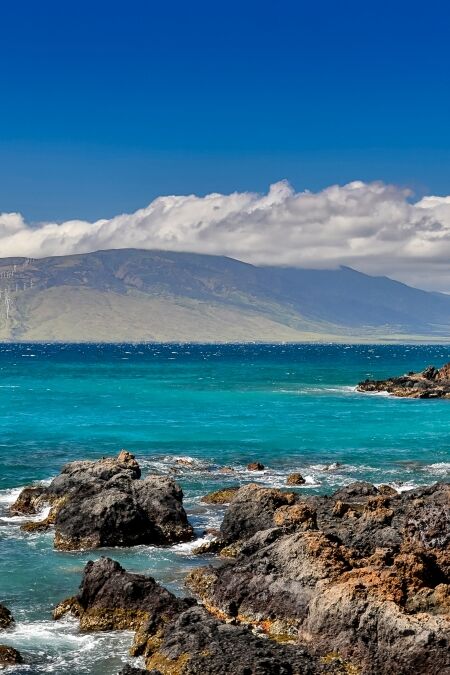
<point>387,490</point>
<point>105,503</point>
<point>30,501</point>
<point>9,656</point>
<point>295,479</point>
<point>223,496</point>
<point>301,514</point>
<point>255,466</point>
<point>6,618</point>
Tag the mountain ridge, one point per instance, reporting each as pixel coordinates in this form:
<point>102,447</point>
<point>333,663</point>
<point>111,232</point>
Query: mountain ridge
<point>154,295</point>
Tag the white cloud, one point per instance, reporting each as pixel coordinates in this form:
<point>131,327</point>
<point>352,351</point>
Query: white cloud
<point>373,227</point>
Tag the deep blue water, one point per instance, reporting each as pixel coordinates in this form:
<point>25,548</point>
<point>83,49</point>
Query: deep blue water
<point>292,407</point>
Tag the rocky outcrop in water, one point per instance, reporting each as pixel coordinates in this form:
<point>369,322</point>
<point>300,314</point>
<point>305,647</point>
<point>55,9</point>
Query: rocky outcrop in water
<point>176,636</point>
<point>9,657</point>
<point>106,503</point>
<point>361,573</point>
<point>112,599</point>
<point>6,618</point>
<point>430,383</point>
<point>223,496</point>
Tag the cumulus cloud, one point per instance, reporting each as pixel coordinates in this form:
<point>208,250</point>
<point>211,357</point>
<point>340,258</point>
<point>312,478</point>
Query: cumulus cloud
<point>373,227</point>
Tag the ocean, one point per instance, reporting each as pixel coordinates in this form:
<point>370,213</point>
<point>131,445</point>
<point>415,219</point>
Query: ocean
<point>291,407</point>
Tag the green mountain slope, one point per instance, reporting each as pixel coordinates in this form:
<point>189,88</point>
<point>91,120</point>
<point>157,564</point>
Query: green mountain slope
<point>133,295</point>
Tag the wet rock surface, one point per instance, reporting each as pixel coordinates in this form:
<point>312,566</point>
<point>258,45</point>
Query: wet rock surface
<point>295,479</point>
<point>6,618</point>
<point>131,670</point>
<point>105,503</point>
<point>255,466</point>
<point>9,657</point>
<point>430,383</point>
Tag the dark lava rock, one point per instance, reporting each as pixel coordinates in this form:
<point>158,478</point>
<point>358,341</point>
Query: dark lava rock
<point>360,573</point>
<point>9,656</point>
<point>255,466</point>
<point>104,503</point>
<point>251,510</point>
<point>6,618</point>
<point>430,383</point>
<point>356,491</point>
<point>196,643</point>
<point>112,599</point>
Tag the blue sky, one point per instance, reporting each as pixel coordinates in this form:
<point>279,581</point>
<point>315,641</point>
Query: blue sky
<point>106,105</point>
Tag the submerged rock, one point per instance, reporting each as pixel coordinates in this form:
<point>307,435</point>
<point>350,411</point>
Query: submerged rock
<point>430,383</point>
<point>9,656</point>
<point>223,496</point>
<point>6,618</point>
<point>105,503</point>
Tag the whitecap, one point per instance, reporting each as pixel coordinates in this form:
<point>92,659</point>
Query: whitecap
<point>440,468</point>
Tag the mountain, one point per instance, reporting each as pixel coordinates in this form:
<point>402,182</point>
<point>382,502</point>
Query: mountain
<point>133,295</point>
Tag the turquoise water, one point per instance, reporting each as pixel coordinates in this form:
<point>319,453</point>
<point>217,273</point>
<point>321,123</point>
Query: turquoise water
<point>293,407</point>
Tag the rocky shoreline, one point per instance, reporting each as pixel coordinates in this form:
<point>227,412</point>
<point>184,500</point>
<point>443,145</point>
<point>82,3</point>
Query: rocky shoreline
<point>429,383</point>
<point>106,503</point>
<point>355,583</point>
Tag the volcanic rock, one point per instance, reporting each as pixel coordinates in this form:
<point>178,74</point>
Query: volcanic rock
<point>255,466</point>
<point>112,599</point>
<point>362,573</point>
<point>104,503</point>
<point>295,479</point>
<point>196,643</point>
<point>251,510</point>
<point>9,656</point>
<point>430,383</point>
<point>6,618</point>
<point>223,496</point>
<point>132,670</point>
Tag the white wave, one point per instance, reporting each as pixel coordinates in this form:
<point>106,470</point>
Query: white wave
<point>8,497</point>
<point>188,547</point>
<point>404,487</point>
<point>332,466</point>
<point>310,481</point>
<point>60,647</point>
<point>43,513</point>
<point>440,468</point>
<point>385,394</point>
